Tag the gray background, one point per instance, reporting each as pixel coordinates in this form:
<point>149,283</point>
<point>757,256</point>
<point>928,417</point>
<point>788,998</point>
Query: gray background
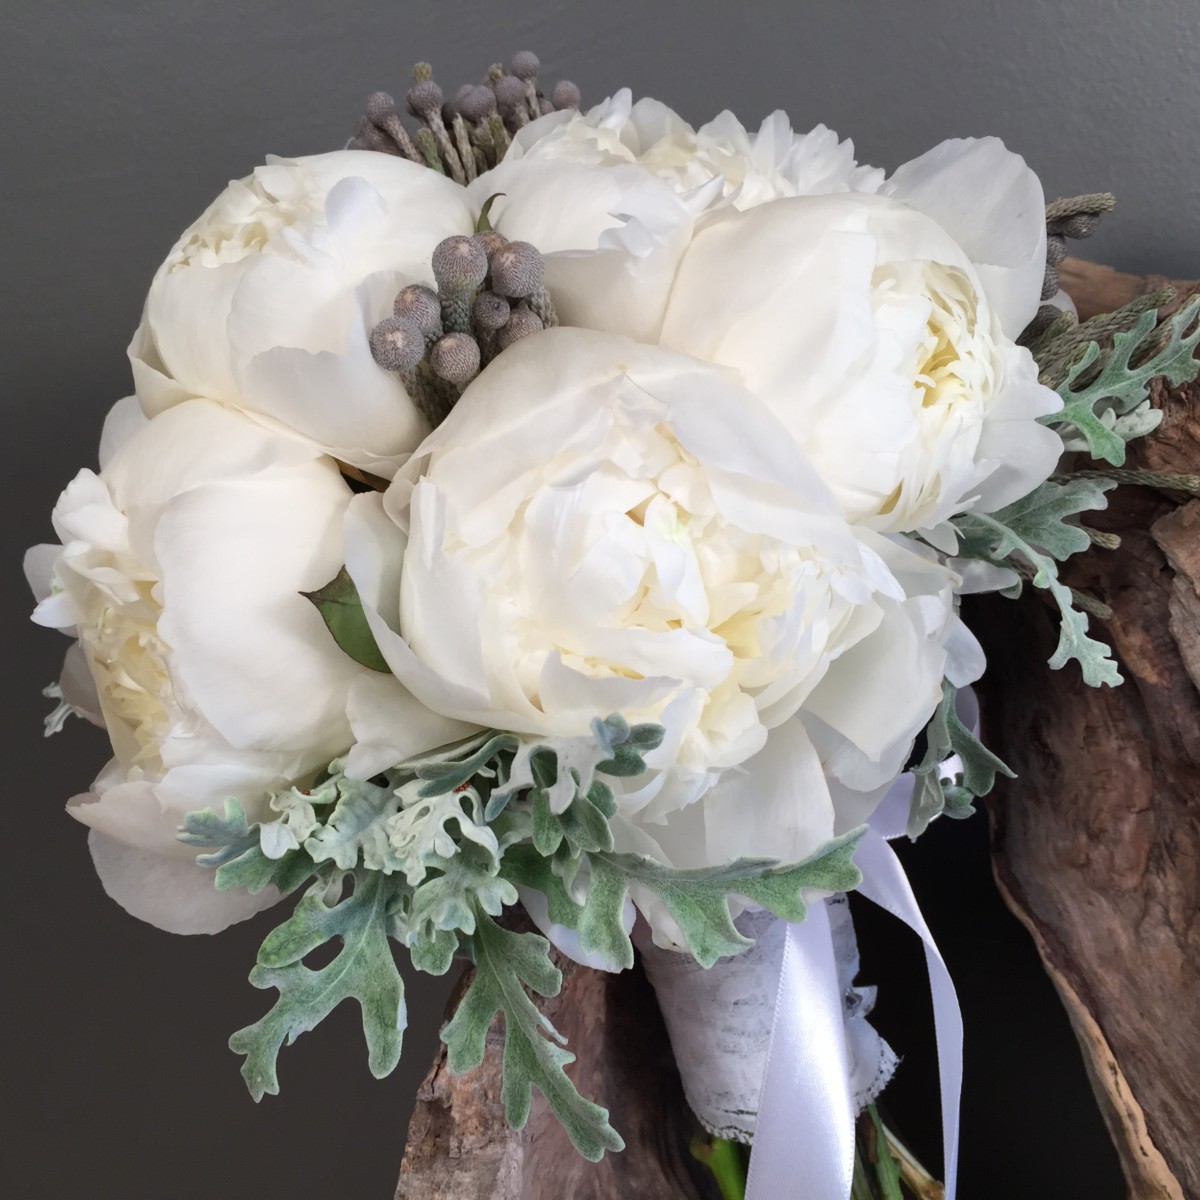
<point>120,120</point>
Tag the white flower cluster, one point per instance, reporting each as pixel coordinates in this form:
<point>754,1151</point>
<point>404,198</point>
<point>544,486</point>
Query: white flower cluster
<point>717,499</point>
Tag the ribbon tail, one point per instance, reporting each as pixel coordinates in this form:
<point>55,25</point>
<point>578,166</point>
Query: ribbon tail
<point>885,883</point>
<point>804,1136</point>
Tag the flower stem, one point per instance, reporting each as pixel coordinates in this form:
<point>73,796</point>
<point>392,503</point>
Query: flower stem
<point>729,1163</point>
<point>918,1180</point>
<point>884,1169</point>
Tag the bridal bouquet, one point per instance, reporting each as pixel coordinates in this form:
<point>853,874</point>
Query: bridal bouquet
<point>531,507</point>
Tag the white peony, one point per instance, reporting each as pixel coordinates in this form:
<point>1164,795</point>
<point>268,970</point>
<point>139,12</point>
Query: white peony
<point>612,197</point>
<point>267,302</point>
<point>602,526</point>
<point>880,330</point>
<point>180,572</point>
<point>753,168</point>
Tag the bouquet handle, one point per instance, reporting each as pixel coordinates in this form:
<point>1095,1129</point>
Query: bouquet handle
<point>461,1148</point>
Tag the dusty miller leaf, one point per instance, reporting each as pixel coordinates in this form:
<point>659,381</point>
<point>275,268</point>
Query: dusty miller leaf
<point>419,831</point>
<point>1104,388</point>
<point>235,850</point>
<point>504,962</point>
<point>1033,531</point>
<point>698,898</point>
<point>363,970</point>
<point>946,735</point>
<point>459,888</point>
<point>357,826</point>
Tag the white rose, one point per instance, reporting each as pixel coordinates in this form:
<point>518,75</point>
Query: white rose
<point>753,168</point>
<point>180,573</point>
<point>612,198</point>
<point>267,302</point>
<point>880,330</point>
<point>602,526</point>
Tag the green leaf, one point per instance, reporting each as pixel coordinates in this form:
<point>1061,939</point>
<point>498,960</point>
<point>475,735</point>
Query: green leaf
<point>1033,532</point>
<point>946,735</point>
<point>504,961</point>
<point>449,769</point>
<point>887,1170</point>
<point>1040,517</point>
<point>484,224</point>
<point>434,953</point>
<point>524,866</point>
<point>698,899</point>
<point>363,969</point>
<point>340,607</point>
<point>1104,388</point>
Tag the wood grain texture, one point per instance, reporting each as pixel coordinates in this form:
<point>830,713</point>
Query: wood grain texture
<point>1097,843</point>
<point>460,1147</point>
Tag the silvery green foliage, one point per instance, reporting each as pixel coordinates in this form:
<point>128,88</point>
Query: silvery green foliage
<point>1032,536</point>
<point>934,790</point>
<point>1105,392</point>
<point>428,854</point>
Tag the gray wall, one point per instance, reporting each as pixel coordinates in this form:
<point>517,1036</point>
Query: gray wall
<point>120,120</point>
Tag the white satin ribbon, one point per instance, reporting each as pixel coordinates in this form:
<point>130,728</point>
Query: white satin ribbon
<point>804,1139</point>
<point>804,1133</point>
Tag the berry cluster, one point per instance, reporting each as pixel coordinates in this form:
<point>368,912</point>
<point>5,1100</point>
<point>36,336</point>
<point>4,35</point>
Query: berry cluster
<point>469,134</point>
<point>490,293</point>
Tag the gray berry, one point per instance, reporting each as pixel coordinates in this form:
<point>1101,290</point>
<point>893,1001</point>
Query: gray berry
<point>517,269</point>
<point>491,241</point>
<point>478,104</point>
<point>520,325</point>
<point>455,358</point>
<point>421,306</point>
<point>510,92</point>
<point>379,107</point>
<point>397,344</point>
<point>491,312</point>
<point>424,98</point>
<point>565,95</point>
<point>525,64</point>
<point>459,264</point>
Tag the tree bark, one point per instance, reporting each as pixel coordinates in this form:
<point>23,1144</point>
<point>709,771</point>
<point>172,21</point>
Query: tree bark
<point>461,1148</point>
<point>1096,844</point>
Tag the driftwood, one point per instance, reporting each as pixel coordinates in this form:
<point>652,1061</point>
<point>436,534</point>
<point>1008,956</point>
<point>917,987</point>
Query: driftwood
<point>460,1147</point>
<point>1096,849</point>
<point>1096,845</point>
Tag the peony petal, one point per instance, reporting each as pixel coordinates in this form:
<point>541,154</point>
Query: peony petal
<point>391,725</point>
<point>124,419</point>
<point>172,894</point>
<point>251,652</point>
<point>992,204</point>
